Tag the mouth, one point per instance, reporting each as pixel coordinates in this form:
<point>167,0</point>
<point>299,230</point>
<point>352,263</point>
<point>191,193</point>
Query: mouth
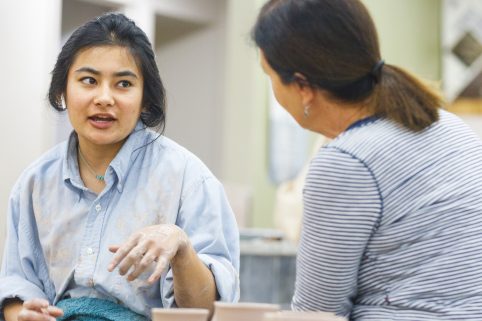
<point>102,118</point>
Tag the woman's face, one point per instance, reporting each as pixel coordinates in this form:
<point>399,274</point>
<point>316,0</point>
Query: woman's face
<point>104,95</point>
<point>286,94</point>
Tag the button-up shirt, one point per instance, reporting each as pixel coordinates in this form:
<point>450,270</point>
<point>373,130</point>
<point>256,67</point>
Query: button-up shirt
<point>59,231</point>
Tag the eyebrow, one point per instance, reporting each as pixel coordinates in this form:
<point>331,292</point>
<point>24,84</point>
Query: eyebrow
<point>124,73</point>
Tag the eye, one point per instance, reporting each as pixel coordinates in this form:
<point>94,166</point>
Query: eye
<point>88,80</point>
<point>124,84</point>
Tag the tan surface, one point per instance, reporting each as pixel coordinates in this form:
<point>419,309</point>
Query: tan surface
<point>466,106</point>
<point>242,311</point>
<point>180,314</point>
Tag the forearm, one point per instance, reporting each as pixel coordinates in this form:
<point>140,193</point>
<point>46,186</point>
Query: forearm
<point>194,285</point>
<point>11,310</point>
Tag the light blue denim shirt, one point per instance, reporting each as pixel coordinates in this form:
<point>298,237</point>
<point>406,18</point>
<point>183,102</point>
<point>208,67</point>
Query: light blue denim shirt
<point>59,231</point>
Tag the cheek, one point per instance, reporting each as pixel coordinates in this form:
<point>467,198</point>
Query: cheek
<point>73,97</point>
<point>280,95</point>
<point>136,103</point>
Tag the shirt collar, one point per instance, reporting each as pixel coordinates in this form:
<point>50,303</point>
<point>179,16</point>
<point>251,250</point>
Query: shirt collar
<point>122,161</point>
<point>362,122</point>
<point>70,168</point>
<point>120,164</point>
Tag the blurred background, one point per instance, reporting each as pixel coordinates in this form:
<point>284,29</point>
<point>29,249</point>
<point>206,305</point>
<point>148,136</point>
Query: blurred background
<point>219,102</point>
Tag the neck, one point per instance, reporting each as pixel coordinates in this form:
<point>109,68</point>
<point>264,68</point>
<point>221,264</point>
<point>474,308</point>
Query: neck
<point>331,118</point>
<point>98,156</point>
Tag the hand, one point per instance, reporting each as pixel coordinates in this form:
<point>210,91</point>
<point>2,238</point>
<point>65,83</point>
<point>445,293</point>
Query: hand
<point>157,243</point>
<point>39,310</point>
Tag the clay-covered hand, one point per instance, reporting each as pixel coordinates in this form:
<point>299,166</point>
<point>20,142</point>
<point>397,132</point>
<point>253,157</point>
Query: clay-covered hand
<point>38,310</point>
<point>156,243</point>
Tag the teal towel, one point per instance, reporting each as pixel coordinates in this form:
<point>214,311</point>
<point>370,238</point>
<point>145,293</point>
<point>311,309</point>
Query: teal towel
<point>92,309</point>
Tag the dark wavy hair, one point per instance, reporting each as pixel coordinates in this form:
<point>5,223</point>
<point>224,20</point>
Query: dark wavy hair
<point>114,29</point>
<point>334,44</point>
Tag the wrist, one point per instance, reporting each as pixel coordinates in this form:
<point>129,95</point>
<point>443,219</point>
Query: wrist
<point>11,308</point>
<point>184,252</point>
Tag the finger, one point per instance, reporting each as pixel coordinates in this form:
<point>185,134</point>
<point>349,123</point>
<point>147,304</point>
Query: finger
<point>132,258</point>
<point>55,312</point>
<point>122,251</point>
<point>31,315</point>
<point>161,265</point>
<point>114,248</point>
<point>145,262</point>
<point>36,304</point>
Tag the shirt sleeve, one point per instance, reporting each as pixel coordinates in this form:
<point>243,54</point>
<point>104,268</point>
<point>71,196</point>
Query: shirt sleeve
<point>22,270</point>
<point>208,220</point>
<point>342,208</point>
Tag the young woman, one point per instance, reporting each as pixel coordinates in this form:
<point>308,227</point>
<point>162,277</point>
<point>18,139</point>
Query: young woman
<point>118,219</point>
<point>393,204</point>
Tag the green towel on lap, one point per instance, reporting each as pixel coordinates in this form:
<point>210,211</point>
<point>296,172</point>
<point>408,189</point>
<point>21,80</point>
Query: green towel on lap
<point>92,309</point>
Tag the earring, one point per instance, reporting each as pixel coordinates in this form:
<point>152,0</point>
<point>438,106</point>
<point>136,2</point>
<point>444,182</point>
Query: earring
<point>62,101</point>
<point>306,111</point>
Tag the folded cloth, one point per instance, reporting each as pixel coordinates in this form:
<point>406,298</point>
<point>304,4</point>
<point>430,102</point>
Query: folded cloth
<point>93,309</point>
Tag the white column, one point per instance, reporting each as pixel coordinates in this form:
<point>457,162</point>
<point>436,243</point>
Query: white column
<point>29,31</point>
<point>142,13</point>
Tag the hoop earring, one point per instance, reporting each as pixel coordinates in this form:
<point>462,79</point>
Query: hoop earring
<point>306,111</point>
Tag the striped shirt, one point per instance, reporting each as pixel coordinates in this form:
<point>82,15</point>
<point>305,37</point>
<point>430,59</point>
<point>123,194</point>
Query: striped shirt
<point>392,226</point>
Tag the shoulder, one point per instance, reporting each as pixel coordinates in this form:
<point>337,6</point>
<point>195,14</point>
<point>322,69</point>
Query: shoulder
<point>383,133</point>
<point>175,162</point>
<point>54,157</point>
<point>170,152</point>
<point>370,136</point>
<point>195,177</point>
<point>384,141</point>
<point>337,176</point>
<point>49,162</point>
<point>333,166</point>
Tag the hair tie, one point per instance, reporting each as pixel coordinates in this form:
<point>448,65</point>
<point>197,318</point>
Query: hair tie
<point>376,71</point>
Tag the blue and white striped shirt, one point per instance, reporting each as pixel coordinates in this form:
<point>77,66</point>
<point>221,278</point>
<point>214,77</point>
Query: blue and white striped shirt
<point>392,226</point>
<point>59,231</point>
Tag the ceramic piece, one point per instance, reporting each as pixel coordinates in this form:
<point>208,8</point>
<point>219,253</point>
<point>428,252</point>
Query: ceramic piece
<point>243,311</point>
<point>178,314</point>
<point>301,316</point>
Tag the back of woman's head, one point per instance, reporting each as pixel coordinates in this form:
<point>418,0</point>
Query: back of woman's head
<point>334,45</point>
<point>113,29</point>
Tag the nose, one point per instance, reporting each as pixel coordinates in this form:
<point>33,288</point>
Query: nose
<point>104,96</point>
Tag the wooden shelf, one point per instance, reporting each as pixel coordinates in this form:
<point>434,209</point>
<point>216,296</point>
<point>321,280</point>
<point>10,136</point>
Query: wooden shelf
<point>466,106</point>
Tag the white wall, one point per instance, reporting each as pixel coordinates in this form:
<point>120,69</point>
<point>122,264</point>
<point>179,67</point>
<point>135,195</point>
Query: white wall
<point>191,60</point>
<point>29,44</point>
<point>409,32</point>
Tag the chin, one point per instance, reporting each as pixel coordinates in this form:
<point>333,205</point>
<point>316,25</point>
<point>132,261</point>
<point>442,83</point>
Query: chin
<point>105,141</point>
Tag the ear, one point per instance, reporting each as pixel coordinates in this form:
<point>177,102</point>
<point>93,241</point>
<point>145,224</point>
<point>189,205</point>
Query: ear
<point>305,90</point>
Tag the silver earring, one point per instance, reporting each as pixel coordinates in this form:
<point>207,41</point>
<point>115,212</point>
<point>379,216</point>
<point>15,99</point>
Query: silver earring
<point>306,111</point>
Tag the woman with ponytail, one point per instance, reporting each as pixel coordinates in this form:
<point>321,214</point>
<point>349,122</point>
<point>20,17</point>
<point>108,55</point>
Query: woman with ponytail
<point>393,204</point>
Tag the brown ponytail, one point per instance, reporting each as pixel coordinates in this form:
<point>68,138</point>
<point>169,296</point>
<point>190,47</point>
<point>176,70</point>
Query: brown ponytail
<point>405,99</point>
<point>334,44</point>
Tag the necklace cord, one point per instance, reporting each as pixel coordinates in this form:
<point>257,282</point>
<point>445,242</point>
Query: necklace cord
<point>97,177</point>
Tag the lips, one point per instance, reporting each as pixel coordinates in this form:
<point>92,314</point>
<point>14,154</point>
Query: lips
<point>102,118</point>
<point>102,121</point>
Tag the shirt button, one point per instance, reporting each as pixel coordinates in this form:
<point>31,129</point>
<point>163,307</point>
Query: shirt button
<point>90,251</point>
<point>98,207</point>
